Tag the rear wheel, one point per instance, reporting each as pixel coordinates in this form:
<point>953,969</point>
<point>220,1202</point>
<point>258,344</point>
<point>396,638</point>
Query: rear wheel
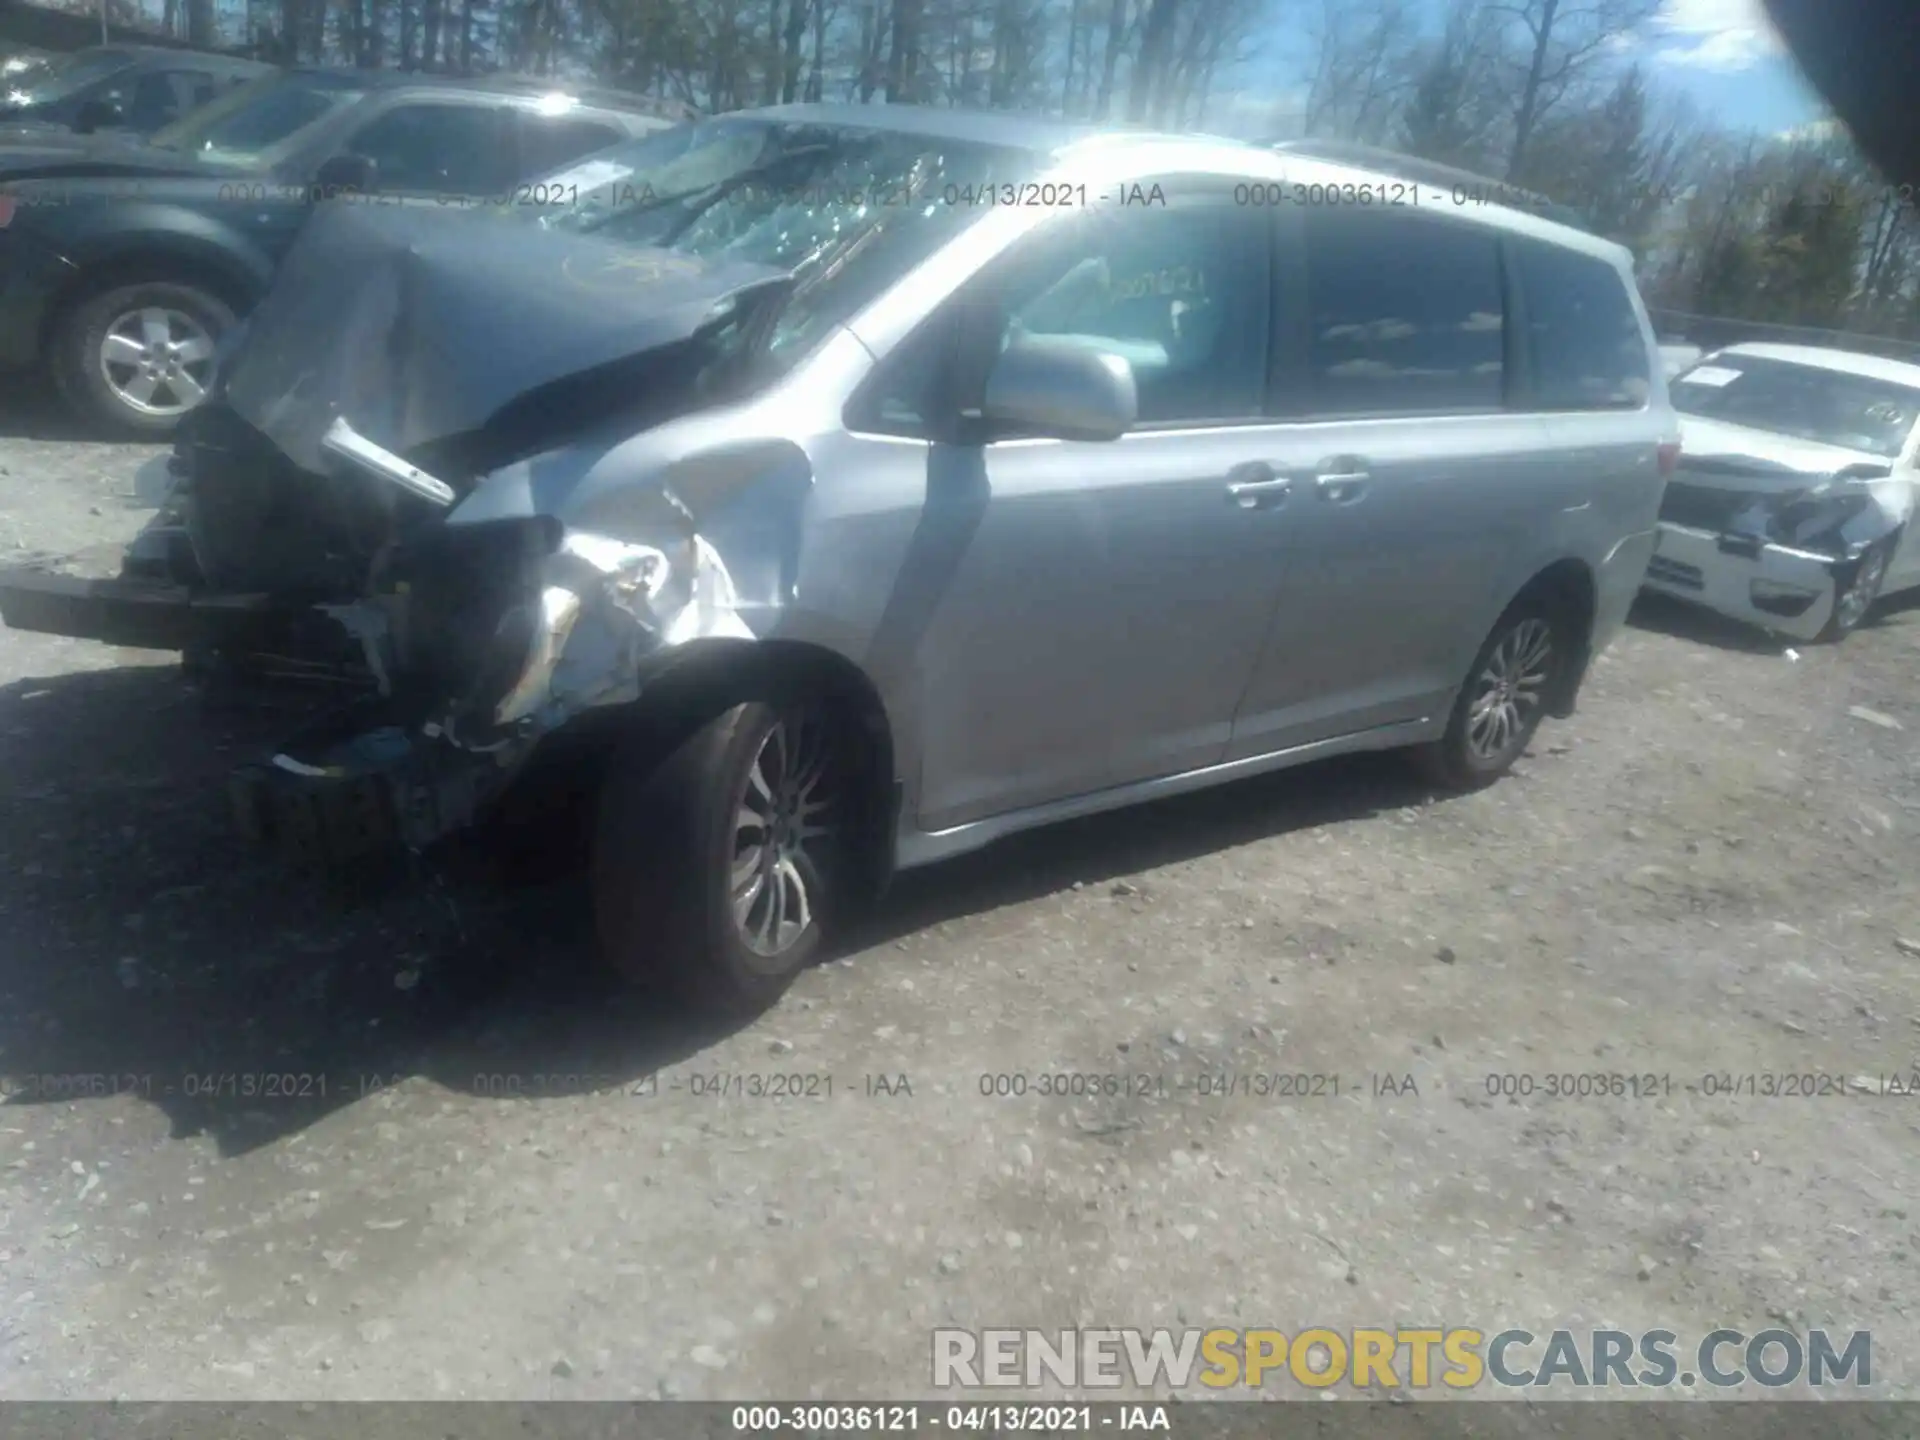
<point>1859,588</point>
<point>1504,699</point>
<point>718,870</point>
<point>136,358</point>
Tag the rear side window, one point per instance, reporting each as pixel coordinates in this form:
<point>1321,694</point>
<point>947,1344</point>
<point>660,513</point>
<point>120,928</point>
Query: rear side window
<point>547,142</point>
<point>1583,337</point>
<point>431,148</point>
<point>1406,314</point>
<point>163,96</point>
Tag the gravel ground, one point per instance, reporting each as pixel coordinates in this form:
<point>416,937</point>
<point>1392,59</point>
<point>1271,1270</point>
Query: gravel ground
<point>1710,870</point>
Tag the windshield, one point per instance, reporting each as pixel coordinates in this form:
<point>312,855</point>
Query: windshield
<point>258,121</point>
<point>55,79</point>
<point>847,209</point>
<point>1807,402</point>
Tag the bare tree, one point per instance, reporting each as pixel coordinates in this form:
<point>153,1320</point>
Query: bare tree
<point>1119,28</point>
<point>1450,108</point>
<point>1366,62</point>
<point>200,23</point>
<point>1561,43</point>
<point>1153,65</point>
<point>903,54</point>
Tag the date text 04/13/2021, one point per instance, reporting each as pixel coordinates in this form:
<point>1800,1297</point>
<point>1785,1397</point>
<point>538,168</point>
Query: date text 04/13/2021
<point>857,1419</point>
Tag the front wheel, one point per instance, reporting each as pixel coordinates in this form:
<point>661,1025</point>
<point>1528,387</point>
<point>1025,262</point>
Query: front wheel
<point>1858,590</point>
<point>718,871</point>
<point>134,359</point>
<point>1504,699</point>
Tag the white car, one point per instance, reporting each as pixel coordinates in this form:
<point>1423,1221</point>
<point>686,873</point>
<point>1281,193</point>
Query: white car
<point>1793,504</point>
<point>1675,358</point>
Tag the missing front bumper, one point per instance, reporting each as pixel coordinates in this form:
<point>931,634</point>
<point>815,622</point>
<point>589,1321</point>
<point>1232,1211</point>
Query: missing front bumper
<point>1772,586</point>
<point>358,788</point>
<point>141,614</point>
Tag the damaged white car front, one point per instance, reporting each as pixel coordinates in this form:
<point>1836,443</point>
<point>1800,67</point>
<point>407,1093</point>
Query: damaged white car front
<point>1792,533</point>
<point>1778,548</point>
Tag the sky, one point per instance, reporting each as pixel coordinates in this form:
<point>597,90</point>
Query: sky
<point>1724,55</point>
<point>1727,57</point>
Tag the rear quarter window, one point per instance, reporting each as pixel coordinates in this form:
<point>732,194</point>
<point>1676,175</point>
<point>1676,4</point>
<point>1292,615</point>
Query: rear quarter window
<point>547,142</point>
<point>1406,314</point>
<point>1583,337</point>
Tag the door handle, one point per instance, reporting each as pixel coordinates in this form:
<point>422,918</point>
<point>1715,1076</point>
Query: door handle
<point>1255,494</point>
<point>1341,486</point>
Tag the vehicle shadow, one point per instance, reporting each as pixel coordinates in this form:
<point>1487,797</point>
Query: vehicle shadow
<point>144,949</point>
<point>1107,849</point>
<point>1665,615</point>
<point>32,410</point>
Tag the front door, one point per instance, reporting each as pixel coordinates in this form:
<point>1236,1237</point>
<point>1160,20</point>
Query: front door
<point>1095,609</point>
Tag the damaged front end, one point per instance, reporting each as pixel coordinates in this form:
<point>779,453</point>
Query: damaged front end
<point>477,641</point>
<point>310,539</point>
<point>1771,543</point>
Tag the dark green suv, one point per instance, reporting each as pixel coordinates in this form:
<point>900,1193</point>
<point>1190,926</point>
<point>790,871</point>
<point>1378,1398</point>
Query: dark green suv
<point>123,263</point>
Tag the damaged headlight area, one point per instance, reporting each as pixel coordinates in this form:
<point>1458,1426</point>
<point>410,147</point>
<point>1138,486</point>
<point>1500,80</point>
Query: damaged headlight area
<point>1836,517</point>
<point>1818,519</point>
<point>605,604</point>
<point>483,638</point>
<point>499,630</point>
<point>502,630</point>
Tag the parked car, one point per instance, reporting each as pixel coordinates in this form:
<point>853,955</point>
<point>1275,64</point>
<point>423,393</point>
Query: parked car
<point>1676,357</point>
<point>1793,506</point>
<point>135,88</point>
<point>867,483</point>
<point>124,264</point>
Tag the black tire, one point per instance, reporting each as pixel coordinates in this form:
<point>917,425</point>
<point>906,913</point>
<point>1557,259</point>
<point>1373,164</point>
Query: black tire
<point>1458,760</point>
<point>1859,586</point>
<point>665,851</point>
<point>80,334</point>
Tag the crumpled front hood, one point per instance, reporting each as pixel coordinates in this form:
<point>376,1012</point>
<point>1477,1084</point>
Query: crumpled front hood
<point>1738,457</point>
<point>417,324</point>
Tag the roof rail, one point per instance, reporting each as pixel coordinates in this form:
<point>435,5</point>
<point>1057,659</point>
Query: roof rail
<point>595,91</point>
<point>1464,183</point>
<point>592,92</point>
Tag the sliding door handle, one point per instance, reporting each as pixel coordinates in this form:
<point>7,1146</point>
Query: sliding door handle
<point>1341,486</point>
<point>1255,487</point>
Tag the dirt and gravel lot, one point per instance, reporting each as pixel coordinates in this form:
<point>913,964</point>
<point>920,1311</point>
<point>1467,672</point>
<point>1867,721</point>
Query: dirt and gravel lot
<point>1710,871</point>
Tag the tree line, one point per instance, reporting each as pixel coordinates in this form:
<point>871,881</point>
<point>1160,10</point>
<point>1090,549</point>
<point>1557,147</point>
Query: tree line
<point>1550,95</point>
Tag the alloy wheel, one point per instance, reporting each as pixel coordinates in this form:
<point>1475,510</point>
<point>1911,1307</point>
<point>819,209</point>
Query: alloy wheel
<point>1851,608</point>
<point>1509,690</point>
<point>783,828</point>
<point>157,360</point>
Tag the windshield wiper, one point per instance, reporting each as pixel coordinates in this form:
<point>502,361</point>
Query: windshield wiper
<point>832,258</point>
<point>703,198</point>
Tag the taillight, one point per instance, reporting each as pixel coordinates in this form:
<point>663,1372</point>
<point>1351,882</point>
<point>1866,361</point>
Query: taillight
<point>1669,453</point>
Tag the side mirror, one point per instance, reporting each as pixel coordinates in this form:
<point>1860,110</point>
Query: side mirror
<point>1061,390</point>
<point>345,174</point>
<point>95,115</point>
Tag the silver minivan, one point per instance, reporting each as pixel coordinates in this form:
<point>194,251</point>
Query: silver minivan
<point>870,483</point>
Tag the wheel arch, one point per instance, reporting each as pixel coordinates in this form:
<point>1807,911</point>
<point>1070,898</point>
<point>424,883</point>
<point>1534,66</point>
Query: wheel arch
<point>1568,584</point>
<point>704,678</point>
<point>231,282</point>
